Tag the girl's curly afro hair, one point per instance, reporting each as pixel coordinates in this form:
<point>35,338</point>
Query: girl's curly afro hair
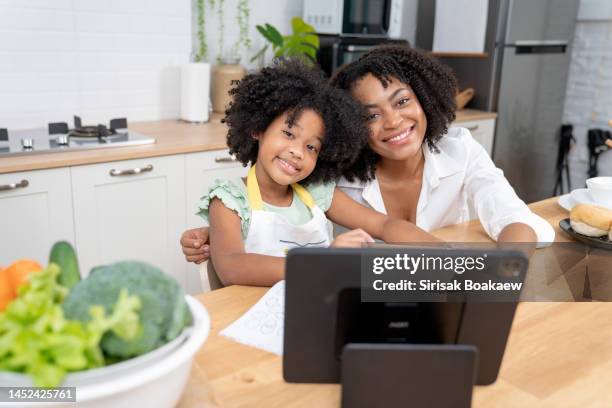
<point>434,85</point>
<point>288,86</point>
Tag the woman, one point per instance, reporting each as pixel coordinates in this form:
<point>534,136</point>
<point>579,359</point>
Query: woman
<point>415,168</point>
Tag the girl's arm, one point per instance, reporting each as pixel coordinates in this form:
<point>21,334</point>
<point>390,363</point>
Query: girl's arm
<point>232,264</point>
<point>348,213</point>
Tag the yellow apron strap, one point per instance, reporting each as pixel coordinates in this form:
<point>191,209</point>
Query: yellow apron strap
<point>303,194</point>
<point>253,193</point>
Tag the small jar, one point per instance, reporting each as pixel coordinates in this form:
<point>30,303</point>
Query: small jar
<point>224,77</point>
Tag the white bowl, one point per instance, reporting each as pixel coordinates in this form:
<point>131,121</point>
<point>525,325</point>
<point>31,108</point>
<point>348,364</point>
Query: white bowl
<point>155,379</point>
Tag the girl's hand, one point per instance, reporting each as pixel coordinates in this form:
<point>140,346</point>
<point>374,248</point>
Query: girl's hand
<point>194,243</point>
<point>352,239</point>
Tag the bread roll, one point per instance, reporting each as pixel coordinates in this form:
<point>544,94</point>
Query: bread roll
<point>591,220</point>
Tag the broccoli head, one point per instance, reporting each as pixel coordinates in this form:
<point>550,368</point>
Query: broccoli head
<point>163,313</point>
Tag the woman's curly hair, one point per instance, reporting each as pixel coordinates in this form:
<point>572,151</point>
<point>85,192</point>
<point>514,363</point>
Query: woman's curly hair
<point>288,86</point>
<point>434,85</point>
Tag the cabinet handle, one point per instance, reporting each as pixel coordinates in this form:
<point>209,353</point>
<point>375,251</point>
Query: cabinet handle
<point>13,186</point>
<point>129,172</point>
<point>473,128</point>
<point>226,159</point>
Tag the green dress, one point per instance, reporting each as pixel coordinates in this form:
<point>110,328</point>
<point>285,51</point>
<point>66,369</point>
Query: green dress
<point>233,194</point>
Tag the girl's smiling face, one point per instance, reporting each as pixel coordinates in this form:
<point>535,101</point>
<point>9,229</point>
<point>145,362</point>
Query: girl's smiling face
<point>288,154</point>
<point>396,119</point>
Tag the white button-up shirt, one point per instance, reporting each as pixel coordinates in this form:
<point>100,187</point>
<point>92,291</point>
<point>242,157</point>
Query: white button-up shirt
<point>460,183</point>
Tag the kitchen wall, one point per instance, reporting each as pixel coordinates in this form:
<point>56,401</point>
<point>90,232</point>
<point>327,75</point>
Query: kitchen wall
<point>588,101</point>
<point>101,59</point>
<point>95,58</point>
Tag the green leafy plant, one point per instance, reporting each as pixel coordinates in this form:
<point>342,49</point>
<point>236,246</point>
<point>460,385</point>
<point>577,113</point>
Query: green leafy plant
<point>202,53</point>
<point>302,43</point>
<point>242,19</point>
<point>220,6</point>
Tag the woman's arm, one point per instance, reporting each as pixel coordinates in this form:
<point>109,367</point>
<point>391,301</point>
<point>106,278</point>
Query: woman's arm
<point>232,264</point>
<point>352,215</point>
<point>517,232</point>
<point>518,236</point>
<point>504,216</point>
<point>194,244</point>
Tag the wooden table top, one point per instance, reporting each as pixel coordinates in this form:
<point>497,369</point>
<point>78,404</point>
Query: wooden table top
<point>558,354</point>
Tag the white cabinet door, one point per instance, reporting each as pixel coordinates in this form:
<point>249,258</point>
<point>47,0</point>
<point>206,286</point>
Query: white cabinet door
<point>35,212</point>
<point>131,210</point>
<point>482,130</point>
<point>201,170</point>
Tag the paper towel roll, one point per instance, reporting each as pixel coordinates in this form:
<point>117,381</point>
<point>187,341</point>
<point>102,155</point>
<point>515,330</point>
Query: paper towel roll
<point>195,91</point>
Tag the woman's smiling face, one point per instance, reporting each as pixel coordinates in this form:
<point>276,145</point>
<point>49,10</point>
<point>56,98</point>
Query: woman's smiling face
<point>396,119</point>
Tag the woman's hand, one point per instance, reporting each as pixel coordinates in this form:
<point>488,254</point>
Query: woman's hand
<point>194,243</point>
<point>352,239</point>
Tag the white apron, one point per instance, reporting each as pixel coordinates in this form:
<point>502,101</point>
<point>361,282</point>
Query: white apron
<point>272,234</point>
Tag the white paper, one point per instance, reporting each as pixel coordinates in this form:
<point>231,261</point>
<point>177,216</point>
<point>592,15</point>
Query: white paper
<point>195,88</point>
<point>460,26</point>
<point>262,325</point>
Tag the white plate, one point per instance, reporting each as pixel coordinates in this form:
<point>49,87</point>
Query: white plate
<point>582,196</point>
<point>566,202</point>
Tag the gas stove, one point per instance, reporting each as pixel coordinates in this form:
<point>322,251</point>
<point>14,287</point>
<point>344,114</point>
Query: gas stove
<point>58,137</point>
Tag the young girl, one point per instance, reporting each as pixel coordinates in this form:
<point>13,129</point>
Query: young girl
<point>299,134</point>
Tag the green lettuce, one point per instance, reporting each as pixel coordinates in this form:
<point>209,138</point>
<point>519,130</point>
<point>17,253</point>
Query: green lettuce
<point>37,339</point>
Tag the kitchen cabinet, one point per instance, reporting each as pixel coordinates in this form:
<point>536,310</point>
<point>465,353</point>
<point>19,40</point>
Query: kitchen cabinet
<point>35,212</point>
<point>201,170</point>
<point>131,210</point>
<point>482,130</point>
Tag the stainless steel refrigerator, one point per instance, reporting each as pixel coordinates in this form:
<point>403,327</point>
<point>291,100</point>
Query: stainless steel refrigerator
<point>531,62</point>
<point>523,79</point>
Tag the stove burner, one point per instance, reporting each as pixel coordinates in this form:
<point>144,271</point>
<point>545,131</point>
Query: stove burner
<point>99,131</point>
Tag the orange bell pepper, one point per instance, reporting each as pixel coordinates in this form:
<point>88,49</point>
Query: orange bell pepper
<point>6,289</point>
<point>15,275</point>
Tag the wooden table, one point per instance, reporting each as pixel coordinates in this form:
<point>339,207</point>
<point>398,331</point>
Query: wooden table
<point>558,354</point>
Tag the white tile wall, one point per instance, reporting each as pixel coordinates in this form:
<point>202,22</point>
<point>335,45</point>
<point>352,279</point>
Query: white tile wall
<point>95,58</point>
<point>588,101</point>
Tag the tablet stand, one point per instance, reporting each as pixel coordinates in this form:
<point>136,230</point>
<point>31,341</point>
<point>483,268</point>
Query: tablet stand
<point>408,375</point>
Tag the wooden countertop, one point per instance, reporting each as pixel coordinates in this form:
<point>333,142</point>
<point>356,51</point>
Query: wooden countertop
<point>468,115</point>
<point>172,137</point>
<point>558,354</point>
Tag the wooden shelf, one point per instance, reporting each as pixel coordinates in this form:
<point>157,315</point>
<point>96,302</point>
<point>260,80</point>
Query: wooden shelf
<point>459,54</point>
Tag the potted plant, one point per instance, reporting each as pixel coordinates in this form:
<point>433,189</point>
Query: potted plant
<point>228,69</point>
<point>302,43</point>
